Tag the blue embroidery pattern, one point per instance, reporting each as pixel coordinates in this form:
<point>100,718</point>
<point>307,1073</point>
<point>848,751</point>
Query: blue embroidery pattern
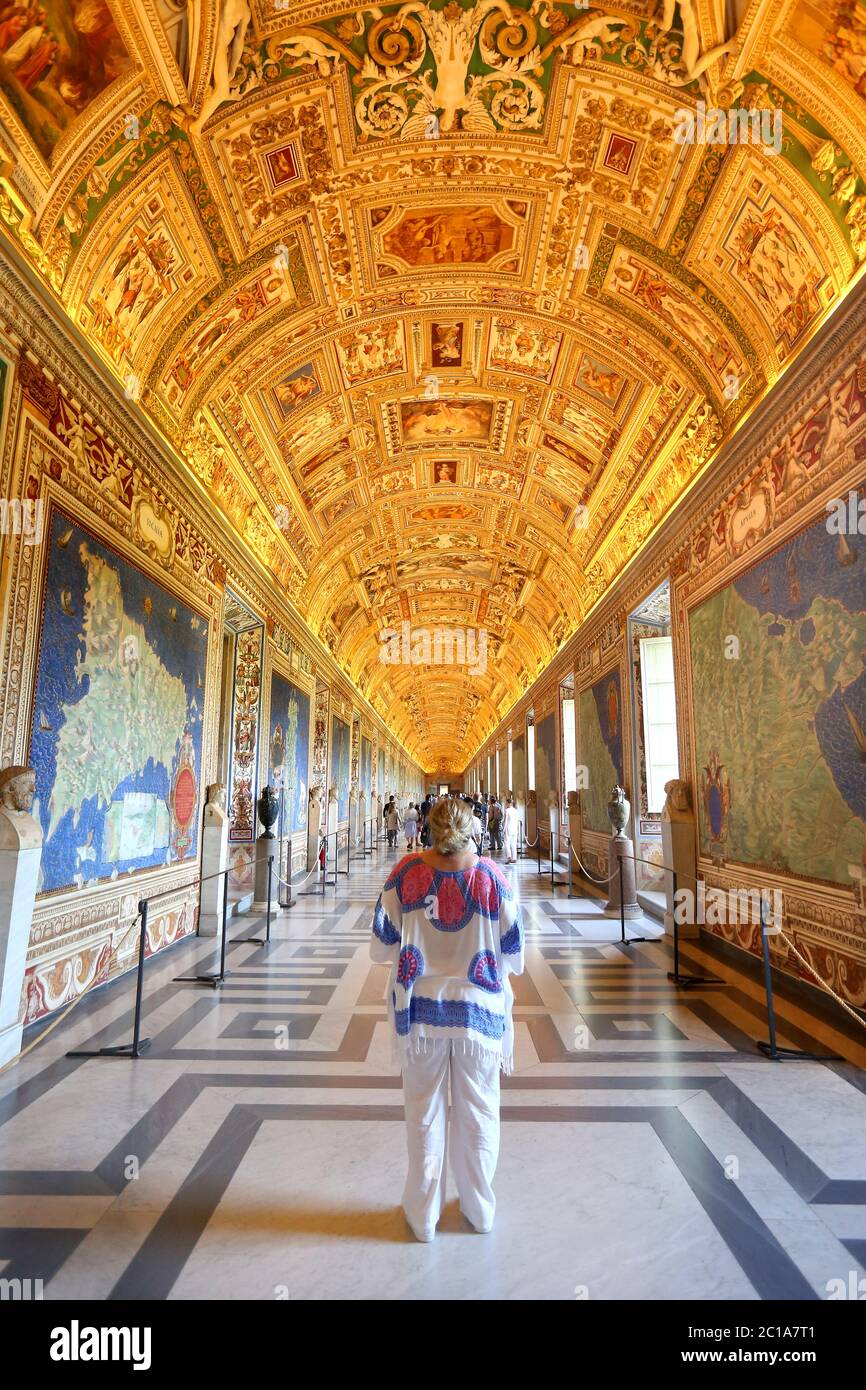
<point>383,927</point>
<point>449,1013</point>
<point>483,972</point>
<point>510,942</point>
<point>409,966</point>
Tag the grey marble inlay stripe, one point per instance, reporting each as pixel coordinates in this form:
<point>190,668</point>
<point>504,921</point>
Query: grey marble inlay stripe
<point>842,1192</point>
<point>354,1046</point>
<point>857,1248</point>
<point>148,1133</point>
<point>153,1271</point>
<point>34,1253</point>
<point>763,1260</point>
<point>550,1048</point>
<point>777,1147</point>
<point>53,1183</point>
<point>155,1268</point>
<point>119,1030</point>
<point>261,1026</point>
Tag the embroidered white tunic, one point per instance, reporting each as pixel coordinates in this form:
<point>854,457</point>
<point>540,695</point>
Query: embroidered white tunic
<point>452,938</point>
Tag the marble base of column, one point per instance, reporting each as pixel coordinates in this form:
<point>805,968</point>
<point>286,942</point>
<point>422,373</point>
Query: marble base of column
<point>265,845</point>
<point>622,849</point>
<point>214,857</point>
<point>20,853</point>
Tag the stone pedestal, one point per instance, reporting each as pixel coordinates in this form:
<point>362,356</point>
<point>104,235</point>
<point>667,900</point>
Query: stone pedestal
<point>20,853</point>
<point>574,827</point>
<point>266,844</point>
<point>679,851</point>
<point>621,848</point>
<point>363,816</point>
<point>354,817</point>
<point>331,841</point>
<point>214,856</point>
<point>556,846</point>
<point>314,826</point>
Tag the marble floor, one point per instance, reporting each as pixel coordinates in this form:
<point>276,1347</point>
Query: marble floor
<point>256,1150</point>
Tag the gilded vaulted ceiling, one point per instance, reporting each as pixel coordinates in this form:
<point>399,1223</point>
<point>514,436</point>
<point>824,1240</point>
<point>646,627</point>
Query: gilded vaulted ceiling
<point>436,301</point>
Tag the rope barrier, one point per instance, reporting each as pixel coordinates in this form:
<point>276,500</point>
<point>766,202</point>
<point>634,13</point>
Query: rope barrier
<point>585,870</point>
<point>287,884</point>
<point>823,982</point>
<point>50,1029</point>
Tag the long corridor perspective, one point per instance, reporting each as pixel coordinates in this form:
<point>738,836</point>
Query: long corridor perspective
<point>433,489</point>
<point>256,1150</point>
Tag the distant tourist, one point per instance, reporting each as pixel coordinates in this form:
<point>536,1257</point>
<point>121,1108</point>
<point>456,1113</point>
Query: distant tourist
<point>425,809</point>
<point>494,825</point>
<point>449,1002</point>
<point>393,821</point>
<point>512,827</point>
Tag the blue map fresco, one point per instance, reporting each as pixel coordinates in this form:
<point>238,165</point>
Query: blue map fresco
<point>340,765</point>
<point>117,714</point>
<point>289,745</point>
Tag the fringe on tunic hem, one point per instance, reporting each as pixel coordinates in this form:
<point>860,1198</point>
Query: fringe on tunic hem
<point>419,1045</point>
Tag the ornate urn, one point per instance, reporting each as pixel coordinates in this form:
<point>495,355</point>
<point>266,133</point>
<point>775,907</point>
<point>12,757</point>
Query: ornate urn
<point>618,811</point>
<point>268,810</point>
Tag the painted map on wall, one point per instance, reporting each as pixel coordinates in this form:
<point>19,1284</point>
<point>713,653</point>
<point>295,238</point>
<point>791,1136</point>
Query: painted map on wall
<point>117,719</point>
<point>340,765</point>
<point>366,766</point>
<point>600,748</point>
<point>780,728</point>
<point>518,766</point>
<point>290,750</point>
<point>380,786</point>
<point>546,763</point>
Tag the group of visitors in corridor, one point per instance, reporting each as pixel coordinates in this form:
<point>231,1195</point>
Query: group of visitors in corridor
<point>495,825</point>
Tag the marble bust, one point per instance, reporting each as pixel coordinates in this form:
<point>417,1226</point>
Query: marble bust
<point>17,789</point>
<point>678,803</point>
<point>215,811</point>
<point>332,796</point>
<point>18,829</point>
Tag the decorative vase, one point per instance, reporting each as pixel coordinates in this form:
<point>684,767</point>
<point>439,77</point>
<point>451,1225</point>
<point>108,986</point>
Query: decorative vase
<point>268,809</point>
<point>618,811</point>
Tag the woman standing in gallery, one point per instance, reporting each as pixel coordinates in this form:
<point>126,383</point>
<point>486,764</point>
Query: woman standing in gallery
<point>410,826</point>
<point>448,924</point>
<point>512,822</point>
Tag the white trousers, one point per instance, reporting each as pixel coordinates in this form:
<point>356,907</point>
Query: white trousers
<point>474,1138</point>
<point>511,846</point>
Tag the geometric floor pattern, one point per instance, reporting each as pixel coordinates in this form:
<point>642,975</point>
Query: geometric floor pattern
<point>256,1150</point>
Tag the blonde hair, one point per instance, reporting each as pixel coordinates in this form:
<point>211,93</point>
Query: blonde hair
<point>450,826</point>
